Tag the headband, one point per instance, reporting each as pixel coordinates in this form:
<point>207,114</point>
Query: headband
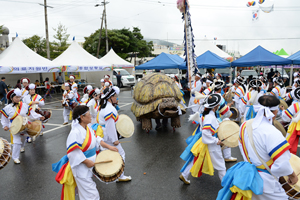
<point>102,81</point>
<point>261,112</point>
<point>198,75</point>
<point>75,121</point>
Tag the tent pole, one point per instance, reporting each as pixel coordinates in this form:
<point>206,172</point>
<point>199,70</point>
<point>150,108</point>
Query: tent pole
<point>291,75</point>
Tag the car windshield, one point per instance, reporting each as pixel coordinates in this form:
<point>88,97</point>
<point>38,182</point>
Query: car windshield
<point>248,73</point>
<point>222,71</point>
<point>171,71</point>
<point>123,72</point>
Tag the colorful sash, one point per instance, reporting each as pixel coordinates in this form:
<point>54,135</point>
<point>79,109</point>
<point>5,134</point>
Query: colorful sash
<point>34,99</point>
<point>24,92</point>
<point>63,168</point>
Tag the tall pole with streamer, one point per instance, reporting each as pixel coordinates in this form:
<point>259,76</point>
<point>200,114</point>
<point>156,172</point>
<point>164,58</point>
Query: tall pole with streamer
<point>189,45</point>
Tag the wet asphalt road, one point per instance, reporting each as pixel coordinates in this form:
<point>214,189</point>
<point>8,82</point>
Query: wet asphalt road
<point>156,153</point>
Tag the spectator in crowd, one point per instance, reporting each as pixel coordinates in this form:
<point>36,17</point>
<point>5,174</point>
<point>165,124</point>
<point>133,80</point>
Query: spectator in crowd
<point>3,90</point>
<point>119,77</point>
<point>18,84</point>
<point>48,88</point>
<point>270,75</point>
<point>59,81</point>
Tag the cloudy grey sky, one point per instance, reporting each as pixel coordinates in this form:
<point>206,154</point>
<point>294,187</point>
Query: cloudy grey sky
<point>228,20</point>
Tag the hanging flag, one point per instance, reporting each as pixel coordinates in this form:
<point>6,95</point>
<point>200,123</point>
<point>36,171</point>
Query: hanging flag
<point>189,45</point>
<point>255,15</point>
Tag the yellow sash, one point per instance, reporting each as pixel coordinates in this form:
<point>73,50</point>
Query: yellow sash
<point>201,150</point>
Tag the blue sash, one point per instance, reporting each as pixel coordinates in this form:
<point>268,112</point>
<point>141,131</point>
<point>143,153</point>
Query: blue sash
<point>57,166</point>
<point>250,113</point>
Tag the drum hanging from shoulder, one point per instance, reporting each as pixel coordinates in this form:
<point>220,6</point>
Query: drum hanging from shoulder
<point>284,104</point>
<point>235,113</point>
<point>73,105</point>
<point>280,127</point>
<point>111,171</point>
<point>5,152</point>
<point>20,124</point>
<point>292,190</point>
<point>125,126</point>
<point>229,132</point>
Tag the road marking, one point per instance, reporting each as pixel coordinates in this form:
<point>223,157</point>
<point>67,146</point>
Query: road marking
<point>56,128</point>
<point>53,124</point>
<point>52,109</point>
<point>125,105</point>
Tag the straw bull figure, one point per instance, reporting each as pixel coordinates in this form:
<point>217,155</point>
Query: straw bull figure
<point>157,96</point>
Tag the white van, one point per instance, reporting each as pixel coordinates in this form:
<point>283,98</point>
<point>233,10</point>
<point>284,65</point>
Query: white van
<point>126,79</point>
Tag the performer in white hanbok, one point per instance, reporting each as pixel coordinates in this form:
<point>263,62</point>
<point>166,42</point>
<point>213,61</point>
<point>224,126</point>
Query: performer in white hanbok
<point>239,93</point>
<point>107,118</point>
<point>196,87</point>
<point>277,91</point>
<point>273,150</point>
<point>265,85</point>
<point>68,98</point>
<point>74,87</point>
<point>9,113</point>
<point>251,99</point>
<point>34,100</point>
<point>86,90</point>
<point>205,154</point>
<point>176,80</point>
<point>296,78</point>
<point>292,115</point>
<point>94,104</point>
<point>25,82</point>
<point>82,144</point>
<point>291,94</point>
<point>106,79</point>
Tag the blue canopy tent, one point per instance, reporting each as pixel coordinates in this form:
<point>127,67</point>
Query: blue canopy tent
<point>260,56</point>
<point>162,61</point>
<point>295,58</point>
<point>210,60</point>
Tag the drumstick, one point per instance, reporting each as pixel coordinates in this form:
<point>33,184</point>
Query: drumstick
<point>105,161</point>
<point>124,142</point>
<point>229,136</point>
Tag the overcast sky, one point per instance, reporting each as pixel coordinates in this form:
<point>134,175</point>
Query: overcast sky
<point>230,21</point>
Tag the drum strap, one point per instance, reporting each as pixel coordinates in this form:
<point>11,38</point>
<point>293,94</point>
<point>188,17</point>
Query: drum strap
<point>250,136</point>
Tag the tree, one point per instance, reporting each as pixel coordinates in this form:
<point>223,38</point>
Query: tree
<point>58,47</point>
<point>1,29</point>
<point>123,41</point>
<point>37,44</point>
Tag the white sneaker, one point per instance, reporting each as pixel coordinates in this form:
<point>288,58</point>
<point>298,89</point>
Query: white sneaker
<point>22,150</point>
<point>231,159</point>
<point>185,181</point>
<point>124,179</point>
<point>17,161</point>
<point>29,139</point>
<point>42,133</point>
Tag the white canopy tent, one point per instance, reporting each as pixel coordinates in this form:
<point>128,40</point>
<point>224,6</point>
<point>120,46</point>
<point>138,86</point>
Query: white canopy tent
<point>116,61</point>
<point>203,46</point>
<point>76,59</point>
<point>19,59</point>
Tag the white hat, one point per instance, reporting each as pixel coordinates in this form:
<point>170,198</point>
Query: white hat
<point>106,84</point>
<point>31,86</point>
<point>18,92</point>
<point>116,89</point>
<point>107,76</point>
<point>67,84</point>
<point>24,80</point>
<point>72,77</point>
<point>102,80</point>
<point>97,91</point>
<point>172,76</point>
<point>89,87</point>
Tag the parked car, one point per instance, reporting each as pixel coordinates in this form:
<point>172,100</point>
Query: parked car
<point>247,73</point>
<point>126,79</point>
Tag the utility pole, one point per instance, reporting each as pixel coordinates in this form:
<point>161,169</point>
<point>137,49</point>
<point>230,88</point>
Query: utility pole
<point>100,35</point>
<point>103,3</point>
<point>46,27</point>
<point>106,27</point>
